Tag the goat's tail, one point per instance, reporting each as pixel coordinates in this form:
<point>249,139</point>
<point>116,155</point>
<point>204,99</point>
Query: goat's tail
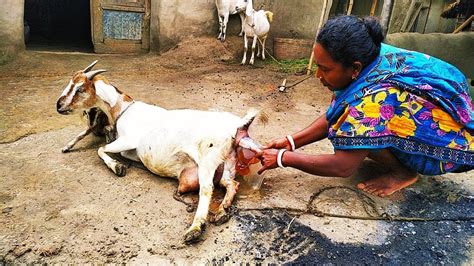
<point>250,116</point>
<point>269,16</point>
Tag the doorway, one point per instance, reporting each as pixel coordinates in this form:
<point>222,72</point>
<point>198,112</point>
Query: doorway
<point>58,25</point>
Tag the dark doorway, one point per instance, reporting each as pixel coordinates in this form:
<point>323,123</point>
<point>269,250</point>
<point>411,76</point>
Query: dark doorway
<point>58,25</point>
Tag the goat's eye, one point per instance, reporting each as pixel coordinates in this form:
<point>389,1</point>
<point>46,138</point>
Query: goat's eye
<point>81,89</point>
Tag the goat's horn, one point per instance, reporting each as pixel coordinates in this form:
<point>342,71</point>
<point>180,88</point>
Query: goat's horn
<point>89,67</point>
<point>92,74</point>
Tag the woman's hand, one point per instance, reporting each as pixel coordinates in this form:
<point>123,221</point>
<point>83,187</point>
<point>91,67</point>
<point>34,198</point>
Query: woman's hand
<point>268,157</point>
<point>281,143</point>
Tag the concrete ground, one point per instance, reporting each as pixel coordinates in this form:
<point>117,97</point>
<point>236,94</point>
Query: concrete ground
<point>69,208</point>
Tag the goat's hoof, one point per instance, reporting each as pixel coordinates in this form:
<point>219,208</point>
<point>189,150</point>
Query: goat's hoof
<point>241,34</point>
<point>193,235</point>
<point>190,208</point>
<point>66,149</point>
<point>120,170</point>
<point>221,217</point>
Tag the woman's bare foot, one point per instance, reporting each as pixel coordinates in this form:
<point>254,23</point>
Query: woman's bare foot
<point>388,184</point>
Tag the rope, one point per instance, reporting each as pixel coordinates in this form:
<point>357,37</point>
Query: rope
<point>367,203</point>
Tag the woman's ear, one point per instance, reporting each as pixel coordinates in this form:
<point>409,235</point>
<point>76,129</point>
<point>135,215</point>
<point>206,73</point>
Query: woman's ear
<point>356,69</point>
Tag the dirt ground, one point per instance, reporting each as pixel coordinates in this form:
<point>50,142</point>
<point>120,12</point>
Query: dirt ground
<point>69,208</point>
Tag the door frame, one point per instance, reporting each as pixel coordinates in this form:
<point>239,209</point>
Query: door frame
<point>105,45</point>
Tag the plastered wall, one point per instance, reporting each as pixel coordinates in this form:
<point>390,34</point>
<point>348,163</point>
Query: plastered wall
<point>11,28</point>
<point>171,21</point>
<point>456,49</point>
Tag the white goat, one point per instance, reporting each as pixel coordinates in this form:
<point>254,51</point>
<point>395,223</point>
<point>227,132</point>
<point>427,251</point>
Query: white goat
<point>256,26</point>
<point>224,9</point>
<point>187,144</point>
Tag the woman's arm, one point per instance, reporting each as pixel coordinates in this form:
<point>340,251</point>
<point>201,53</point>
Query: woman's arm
<point>317,130</point>
<point>343,163</point>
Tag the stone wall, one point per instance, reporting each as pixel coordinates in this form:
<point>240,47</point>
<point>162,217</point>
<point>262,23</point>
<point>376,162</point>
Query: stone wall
<point>11,29</point>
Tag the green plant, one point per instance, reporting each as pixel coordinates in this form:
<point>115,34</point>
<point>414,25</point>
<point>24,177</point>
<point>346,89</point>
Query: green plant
<point>292,66</point>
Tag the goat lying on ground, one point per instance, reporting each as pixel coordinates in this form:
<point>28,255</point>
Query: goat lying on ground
<point>256,25</point>
<point>224,9</point>
<point>187,144</point>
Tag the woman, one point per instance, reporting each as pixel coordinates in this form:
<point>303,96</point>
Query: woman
<point>406,110</point>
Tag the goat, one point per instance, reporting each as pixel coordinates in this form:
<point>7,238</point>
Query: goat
<point>224,9</point>
<point>187,144</point>
<point>256,26</point>
<point>97,123</point>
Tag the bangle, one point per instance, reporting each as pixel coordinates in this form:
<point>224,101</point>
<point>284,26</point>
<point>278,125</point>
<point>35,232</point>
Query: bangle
<point>292,142</point>
<point>279,157</point>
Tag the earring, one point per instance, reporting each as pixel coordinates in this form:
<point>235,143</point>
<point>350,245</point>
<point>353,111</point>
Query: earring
<point>353,77</point>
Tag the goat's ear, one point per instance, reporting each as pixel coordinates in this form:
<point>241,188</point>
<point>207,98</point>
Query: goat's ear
<point>92,74</point>
<point>89,67</point>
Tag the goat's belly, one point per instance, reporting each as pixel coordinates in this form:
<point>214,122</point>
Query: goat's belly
<point>168,165</point>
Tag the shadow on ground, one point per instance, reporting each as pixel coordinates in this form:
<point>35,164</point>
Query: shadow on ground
<point>444,241</point>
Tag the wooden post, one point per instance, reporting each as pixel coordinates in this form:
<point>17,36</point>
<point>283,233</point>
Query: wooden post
<point>373,7</point>
<point>321,20</point>
<point>471,18</point>
<point>349,7</point>
<point>408,15</point>
<point>385,16</point>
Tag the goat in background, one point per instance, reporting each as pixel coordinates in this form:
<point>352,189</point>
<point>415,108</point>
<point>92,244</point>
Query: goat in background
<point>188,144</point>
<point>224,9</point>
<point>256,25</point>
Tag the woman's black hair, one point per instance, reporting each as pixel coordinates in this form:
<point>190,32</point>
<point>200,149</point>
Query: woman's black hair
<point>348,39</point>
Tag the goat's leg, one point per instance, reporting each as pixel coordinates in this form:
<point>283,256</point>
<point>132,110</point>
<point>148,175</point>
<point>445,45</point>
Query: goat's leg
<point>242,19</point>
<point>228,182</point>
<point>131,155</point>
<point>221,19</point>
<point>245,49</point>
<point>263,47</point>
<point>231,187</point>
<point>254,43</point>
<point>224,26</point>
<point>73,142</point>
<point>206,173</point>
<point>119,145</point>
<point>258,48</point>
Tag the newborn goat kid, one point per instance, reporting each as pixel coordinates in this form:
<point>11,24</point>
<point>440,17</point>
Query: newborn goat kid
<point>187,144</point>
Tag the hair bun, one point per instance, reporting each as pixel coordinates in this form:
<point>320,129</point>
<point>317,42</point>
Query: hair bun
<point>374,28</point>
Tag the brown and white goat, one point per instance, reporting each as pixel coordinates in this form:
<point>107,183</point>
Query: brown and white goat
<point>187,144</point>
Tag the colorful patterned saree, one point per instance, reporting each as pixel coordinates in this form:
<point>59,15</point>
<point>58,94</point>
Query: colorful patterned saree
<point>413,104</point>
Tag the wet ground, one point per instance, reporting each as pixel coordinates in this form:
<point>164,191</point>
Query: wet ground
<point>59,208</point>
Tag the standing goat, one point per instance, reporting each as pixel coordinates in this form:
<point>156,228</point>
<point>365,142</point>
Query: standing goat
<point>256,26</point>
<point>224,9</point>
<point>187,144</point>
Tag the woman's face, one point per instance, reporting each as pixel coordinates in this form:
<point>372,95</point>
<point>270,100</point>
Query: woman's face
<point>332,74</point>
